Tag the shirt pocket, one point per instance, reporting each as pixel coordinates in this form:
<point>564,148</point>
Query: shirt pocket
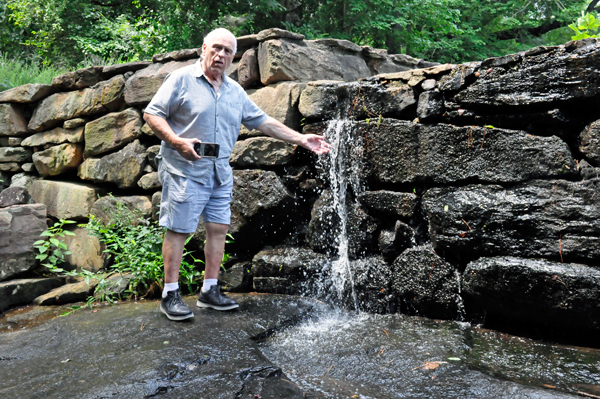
<point>232,112</point>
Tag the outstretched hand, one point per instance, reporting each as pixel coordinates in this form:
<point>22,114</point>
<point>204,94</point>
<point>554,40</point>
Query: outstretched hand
<point>315,143</point>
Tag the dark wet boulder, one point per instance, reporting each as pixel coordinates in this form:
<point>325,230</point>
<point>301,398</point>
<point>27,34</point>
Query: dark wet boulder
<point>425,284</point>
<point>552,219</point>
<point>391,203</point>
<point>326,228</point>
<point>405,152</point>
<point>431,105</point>
<point>371,277</point>
<point>564,74</point>
<point>237,278</point>
<point>24,291</point>
<point>589,142</point>
<point>535,293</point>
<point>393,241</point>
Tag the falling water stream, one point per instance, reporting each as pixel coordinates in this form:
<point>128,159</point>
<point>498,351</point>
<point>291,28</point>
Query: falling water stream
<point>344,353</point>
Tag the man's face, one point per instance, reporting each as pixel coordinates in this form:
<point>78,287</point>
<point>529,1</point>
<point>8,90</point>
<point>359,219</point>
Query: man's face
<point>218,53</point>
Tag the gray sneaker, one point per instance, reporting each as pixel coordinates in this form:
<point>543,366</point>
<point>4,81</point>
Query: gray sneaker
<point>172,305</point>
<point>215,300</point>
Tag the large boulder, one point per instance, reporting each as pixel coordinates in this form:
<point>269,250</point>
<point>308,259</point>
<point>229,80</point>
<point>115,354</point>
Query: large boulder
<point>58,159</point>
<point>53,110</point>
<point>258,152</point>
<point>554,219</point>
<point>405,152</point>
<point>123,168</point>
<point>112,131</point>
<point>14,196</point>
<point>20,227</point>
<point>536,294</point>
<point>141,87</point>
<point>12,121</point>
<point>425,284</point>
<point>64,200</point>
<point>57,135</point>
<point>78,79</point>
<point>371,277</point>
<point>87,251</point>
<point>402,205</point>
<point>15,154</point>
<point>248,73</point>
<point>108,209</point>
<point>287,270</point>
<point>24,291</point>
<point>535,79</point>
<point>285,59</point>
<point>26,93</point>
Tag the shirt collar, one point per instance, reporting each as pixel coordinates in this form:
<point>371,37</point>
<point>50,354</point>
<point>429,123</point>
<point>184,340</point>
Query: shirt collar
<point>199,72</point>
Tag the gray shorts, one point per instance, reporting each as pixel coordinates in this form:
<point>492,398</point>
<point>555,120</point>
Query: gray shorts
<point>184,200</point>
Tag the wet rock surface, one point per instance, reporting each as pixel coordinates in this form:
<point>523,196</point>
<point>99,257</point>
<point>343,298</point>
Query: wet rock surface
<point>552,219</point>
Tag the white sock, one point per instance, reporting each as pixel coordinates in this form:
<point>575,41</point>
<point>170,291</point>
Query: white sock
<point>209,282</point>
<point>170,287</point>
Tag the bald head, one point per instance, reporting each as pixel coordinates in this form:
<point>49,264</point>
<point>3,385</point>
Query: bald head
<point>220,33</point>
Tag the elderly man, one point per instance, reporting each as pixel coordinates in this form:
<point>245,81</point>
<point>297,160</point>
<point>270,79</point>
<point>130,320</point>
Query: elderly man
<point>198,103</point>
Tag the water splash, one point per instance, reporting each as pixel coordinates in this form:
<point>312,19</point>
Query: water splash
<point>461,313</point>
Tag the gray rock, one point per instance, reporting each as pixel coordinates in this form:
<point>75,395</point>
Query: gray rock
<point>58,159</point>
<point>589,142</point>
<point>544,79</point>
<point>28,167</point>
<point>149,181</point>
<point>11,141</point>
<point>553,219</point>
<point>68,293</point>
<point>286,270</point>
<point>24,291</point>
<point>151,154</point>
<point>10,167</point>
<point>331,44</point>
<point>325,228</point>
<point>405,152</point>
<point>398,204</point>
<point>142,86</point>
<point>27,93</point>
<point>248,73</point>
<point>258,152</point>
<point>123,168</point>
<point>53,110</point>
<point>15,154</point>
<point>276,33</point>
<point>536,293</point>
<point>12,121</point>
<point>107,209</point>
<point>319,99</point>
<point>87,251</point>
<point>14,196</point>
<point>429,84</point>
<point>284,59</point>
<point>587,171</point>
<point>75,123</point>
<point>147,130</point>
<point>112,131</point>
<point>460,76</point>
<point>425,284</point>
<point>375,53</point>
<point>20,227</point>
<point>57,135</point>
<point>431,105</point>
<point>178,55</point>
<point>115,285</point>
<point>156,198</point>
<point>79,79</point>
<point>118,69</point>
<point>69,201</point>
<point>23,180</point>
<point>394,241</point>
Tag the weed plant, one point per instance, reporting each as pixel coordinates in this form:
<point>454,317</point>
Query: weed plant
<point>15,73</point>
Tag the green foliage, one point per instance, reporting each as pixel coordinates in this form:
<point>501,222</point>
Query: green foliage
<point>15,73</point>
<point>52,250</point>
<point>135,247</point>
<point>586,26</point>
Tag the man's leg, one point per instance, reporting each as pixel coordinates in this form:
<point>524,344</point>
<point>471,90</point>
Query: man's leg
<point>172,251</point>
<point>210,295</point>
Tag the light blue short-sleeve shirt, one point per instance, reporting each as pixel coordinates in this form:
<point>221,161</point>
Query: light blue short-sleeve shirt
<point>193,109</point>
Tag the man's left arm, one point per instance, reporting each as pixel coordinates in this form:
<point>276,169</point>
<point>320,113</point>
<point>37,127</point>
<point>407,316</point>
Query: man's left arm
<point>313,142</point>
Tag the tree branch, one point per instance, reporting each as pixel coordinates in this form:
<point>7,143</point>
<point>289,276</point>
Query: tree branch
<point>592,6</point>
<point>535,31</point>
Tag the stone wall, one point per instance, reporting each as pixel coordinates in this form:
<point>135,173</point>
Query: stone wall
<point>83,137</point>
<point>472,189</point>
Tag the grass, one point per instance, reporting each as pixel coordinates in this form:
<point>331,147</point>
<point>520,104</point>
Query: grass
<point>15,73</point>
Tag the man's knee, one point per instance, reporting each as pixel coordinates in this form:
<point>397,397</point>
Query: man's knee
<point>216,230</point>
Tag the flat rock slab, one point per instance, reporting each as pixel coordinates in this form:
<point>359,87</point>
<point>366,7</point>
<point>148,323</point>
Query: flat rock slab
<point>212,356</point>
<point>132,351</point>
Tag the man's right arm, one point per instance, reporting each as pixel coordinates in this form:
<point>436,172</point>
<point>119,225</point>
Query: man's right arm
<point>162,130</point>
